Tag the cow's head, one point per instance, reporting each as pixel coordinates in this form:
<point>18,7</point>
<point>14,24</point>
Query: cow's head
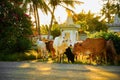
<point>77,48</point>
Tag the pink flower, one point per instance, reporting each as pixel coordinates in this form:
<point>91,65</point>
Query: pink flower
<point>26,15</point>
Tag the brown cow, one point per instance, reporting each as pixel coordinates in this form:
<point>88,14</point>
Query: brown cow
<point>112,56</point>
<point>49,46</point>
<point>95,48</point>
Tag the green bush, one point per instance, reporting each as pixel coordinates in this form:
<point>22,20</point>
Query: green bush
<point>14,26</point>
<point>108,36</point>
<point>23,44</point>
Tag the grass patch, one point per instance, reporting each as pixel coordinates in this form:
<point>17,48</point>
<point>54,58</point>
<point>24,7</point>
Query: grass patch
<point>30,55</point>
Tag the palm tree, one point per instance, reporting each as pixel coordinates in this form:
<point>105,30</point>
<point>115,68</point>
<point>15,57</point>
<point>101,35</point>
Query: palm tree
<point>63,3</point>
<point>35,5</point>
<point>39,4</point>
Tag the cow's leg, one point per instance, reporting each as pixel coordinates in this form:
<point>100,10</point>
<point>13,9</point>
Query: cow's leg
<point>76,57</point>
<point>38,53</point>
<point>91,58</point>
<point>42,54</point>
<point>58,57</point>
<point>81,57</point>
<point>98,60</point>
<point>61,58</point>
<point>53,54</point>
<point>45,54</point>
<point>105,57</point>
<point>102,58</point>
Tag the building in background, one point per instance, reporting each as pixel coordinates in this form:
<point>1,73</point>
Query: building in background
<point>70,30</point>
<point>115,26</point>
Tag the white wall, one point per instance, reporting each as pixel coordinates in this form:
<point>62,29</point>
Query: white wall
<point>73,35</point>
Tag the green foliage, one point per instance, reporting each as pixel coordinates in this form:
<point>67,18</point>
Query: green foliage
<point>89,22</point>
<point>55,30</point>
<point>23,44</point>
<point>55,33</point>
<point>15,25</point>
<point>110,7</point>
<point>109,36</point>
<point>44,29</point>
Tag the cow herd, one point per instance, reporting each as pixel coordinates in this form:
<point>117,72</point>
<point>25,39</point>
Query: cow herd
<point>97,50</point>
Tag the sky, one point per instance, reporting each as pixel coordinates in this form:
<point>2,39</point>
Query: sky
<point>61,15</point>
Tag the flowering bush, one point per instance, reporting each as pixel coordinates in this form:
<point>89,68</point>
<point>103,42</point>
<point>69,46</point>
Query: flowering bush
<point>15,25</point>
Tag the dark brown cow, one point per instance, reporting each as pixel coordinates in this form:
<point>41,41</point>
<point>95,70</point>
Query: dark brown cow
<point>112,56</point>
<point>49,46</point>
<point>92,47</point>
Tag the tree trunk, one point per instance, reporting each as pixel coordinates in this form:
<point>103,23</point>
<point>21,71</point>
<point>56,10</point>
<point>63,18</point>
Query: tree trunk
<point>51,23</point>
<point>36,24</point>
<point>38,20</point>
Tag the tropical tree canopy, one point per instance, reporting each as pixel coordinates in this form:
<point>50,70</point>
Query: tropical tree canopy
<point>110,8</point>
<point>89,22</point>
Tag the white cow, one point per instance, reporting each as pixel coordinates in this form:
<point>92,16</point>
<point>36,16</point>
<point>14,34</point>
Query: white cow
<point>60,45</point>
<point>41,47</point>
